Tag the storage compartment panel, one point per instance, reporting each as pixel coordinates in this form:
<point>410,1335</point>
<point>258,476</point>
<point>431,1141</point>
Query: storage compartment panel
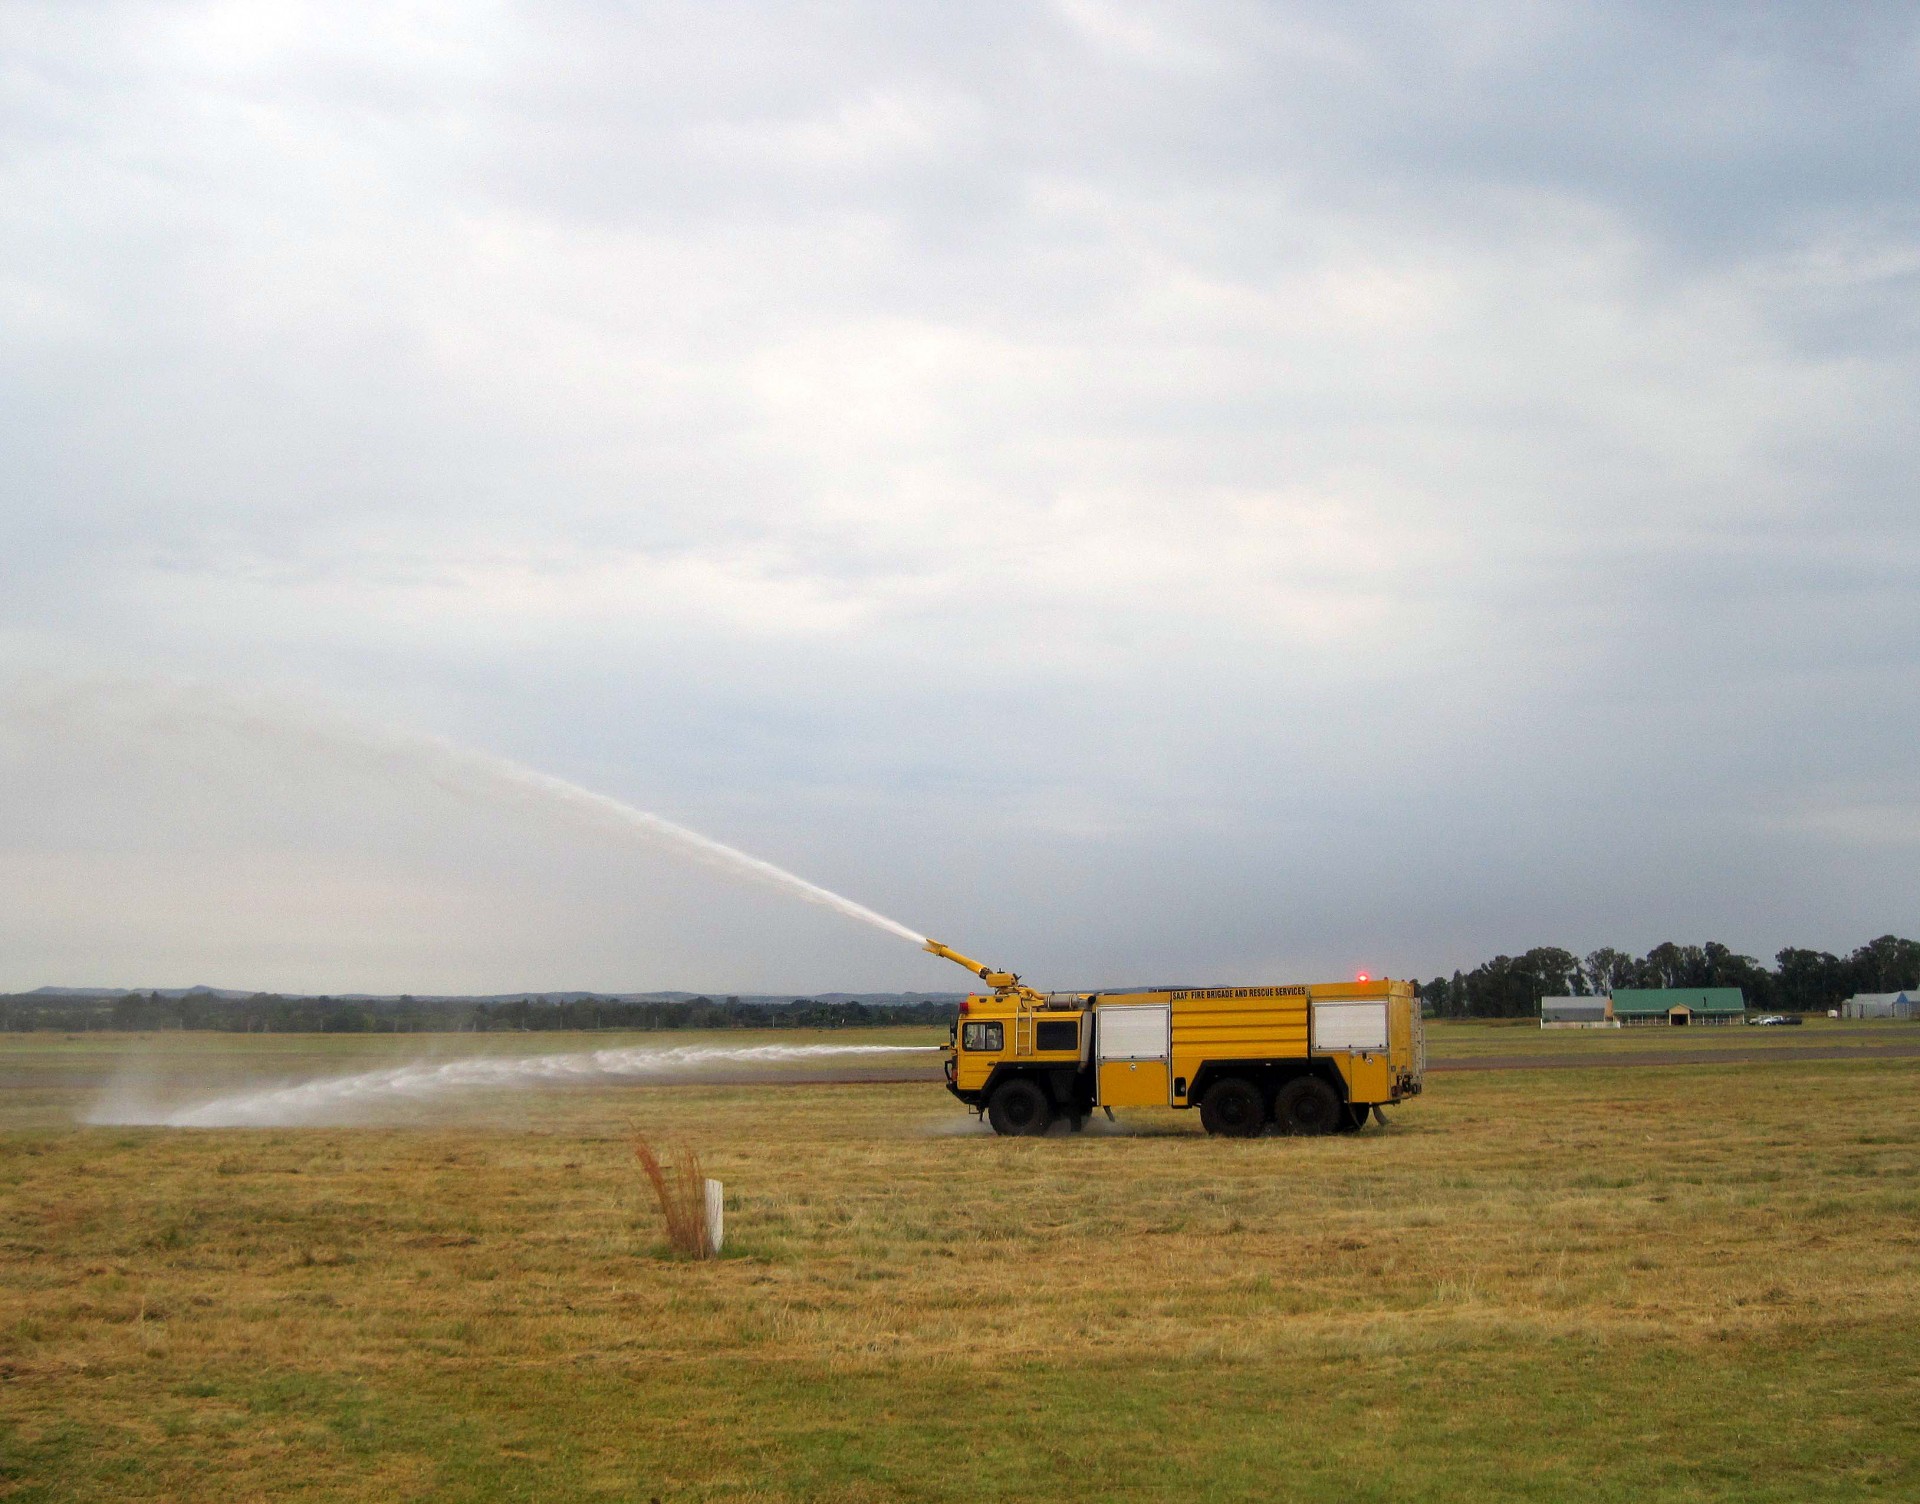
<point>1134,1083</point>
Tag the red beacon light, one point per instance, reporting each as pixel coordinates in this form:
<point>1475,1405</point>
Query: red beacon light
<point>1363,977</point>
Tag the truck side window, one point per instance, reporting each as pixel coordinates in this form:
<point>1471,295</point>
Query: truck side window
<point>988,1038</point>
<point>1057,1034</point>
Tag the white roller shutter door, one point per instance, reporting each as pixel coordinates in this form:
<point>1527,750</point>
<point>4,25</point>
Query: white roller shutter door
<point>1135,1032</point>
<point>1350,1026</point>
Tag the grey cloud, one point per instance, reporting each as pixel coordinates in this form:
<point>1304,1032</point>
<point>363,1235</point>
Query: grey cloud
<point>1162,487</point>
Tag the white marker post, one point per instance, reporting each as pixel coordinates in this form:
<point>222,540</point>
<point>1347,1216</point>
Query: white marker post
<point>716,1218</point>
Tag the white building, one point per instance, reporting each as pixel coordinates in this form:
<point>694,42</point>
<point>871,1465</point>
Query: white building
<point>1882,1005</point>
<point>1577,1013</point>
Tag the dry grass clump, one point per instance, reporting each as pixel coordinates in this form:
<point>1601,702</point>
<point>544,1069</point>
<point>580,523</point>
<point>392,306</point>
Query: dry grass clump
<point>681,1190</point>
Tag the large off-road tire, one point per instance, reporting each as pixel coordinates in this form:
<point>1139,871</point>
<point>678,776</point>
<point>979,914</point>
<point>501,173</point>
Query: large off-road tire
<point>1234,1108</point>
<point>1020,1110</point>
<point>1353,1117</point>
<point>1306,1105</point>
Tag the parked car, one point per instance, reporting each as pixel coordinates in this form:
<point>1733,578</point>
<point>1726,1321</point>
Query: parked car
<point>1775,1020</point>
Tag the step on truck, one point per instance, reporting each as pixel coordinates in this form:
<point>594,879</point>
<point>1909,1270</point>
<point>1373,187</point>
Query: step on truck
<point>1307,1059</point>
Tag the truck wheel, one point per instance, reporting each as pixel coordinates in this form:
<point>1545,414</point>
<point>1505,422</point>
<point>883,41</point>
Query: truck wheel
<point>1234,1109</point>
<point>1306,1105</point>
<point>1353,1117</point>
<point>1020,1110</point>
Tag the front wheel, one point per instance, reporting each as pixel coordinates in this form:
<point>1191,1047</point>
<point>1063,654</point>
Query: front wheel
<point>1020,1110</point>
<point>1234,1109</point>
<point>1306,1105</point>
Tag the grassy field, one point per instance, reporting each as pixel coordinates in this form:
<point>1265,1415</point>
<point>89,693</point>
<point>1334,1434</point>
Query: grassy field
<point>1695,1282</point>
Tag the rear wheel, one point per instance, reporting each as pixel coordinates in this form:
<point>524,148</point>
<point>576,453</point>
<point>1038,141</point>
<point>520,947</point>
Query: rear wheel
<point>1353,1117</point>
<point>1306,1106</point>
<point>1020,1110</point>
<point>1234,1109</point>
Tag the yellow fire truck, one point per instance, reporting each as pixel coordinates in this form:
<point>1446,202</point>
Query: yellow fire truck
<point>1304,1059</point>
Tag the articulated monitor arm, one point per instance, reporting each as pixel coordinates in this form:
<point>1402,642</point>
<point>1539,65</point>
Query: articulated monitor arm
<point>1005,982</point>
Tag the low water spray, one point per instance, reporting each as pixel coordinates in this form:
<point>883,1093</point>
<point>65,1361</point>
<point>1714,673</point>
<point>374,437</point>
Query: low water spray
<point>370,1095</point>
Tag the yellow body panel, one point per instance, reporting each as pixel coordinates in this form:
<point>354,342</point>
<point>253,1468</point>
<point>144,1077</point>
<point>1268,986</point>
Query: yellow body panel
<point>1405,1059</point>
<point>1368,1078</point>
<point>1235,1023</point>
<point>1133,1083</point>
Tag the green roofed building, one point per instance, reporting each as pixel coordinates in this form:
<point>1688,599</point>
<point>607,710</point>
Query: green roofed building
<point>1679,1005</point>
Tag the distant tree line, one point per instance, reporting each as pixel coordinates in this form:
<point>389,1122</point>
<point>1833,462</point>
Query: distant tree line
<point>271,1013</point>
<point>1800,981</point>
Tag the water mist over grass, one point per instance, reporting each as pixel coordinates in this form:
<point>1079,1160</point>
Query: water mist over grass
<point>372,1096</point>
<point>180,718</point>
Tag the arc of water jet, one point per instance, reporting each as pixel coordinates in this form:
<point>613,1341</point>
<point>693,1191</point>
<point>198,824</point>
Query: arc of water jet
<point>193,707</point>
<point>703,848</point>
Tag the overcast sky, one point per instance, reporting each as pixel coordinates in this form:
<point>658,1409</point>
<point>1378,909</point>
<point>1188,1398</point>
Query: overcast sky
<point>1141,492</point>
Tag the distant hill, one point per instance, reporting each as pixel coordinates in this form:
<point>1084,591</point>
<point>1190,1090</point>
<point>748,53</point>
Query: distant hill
<point>82,1009</point>
<point>230,994</point>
